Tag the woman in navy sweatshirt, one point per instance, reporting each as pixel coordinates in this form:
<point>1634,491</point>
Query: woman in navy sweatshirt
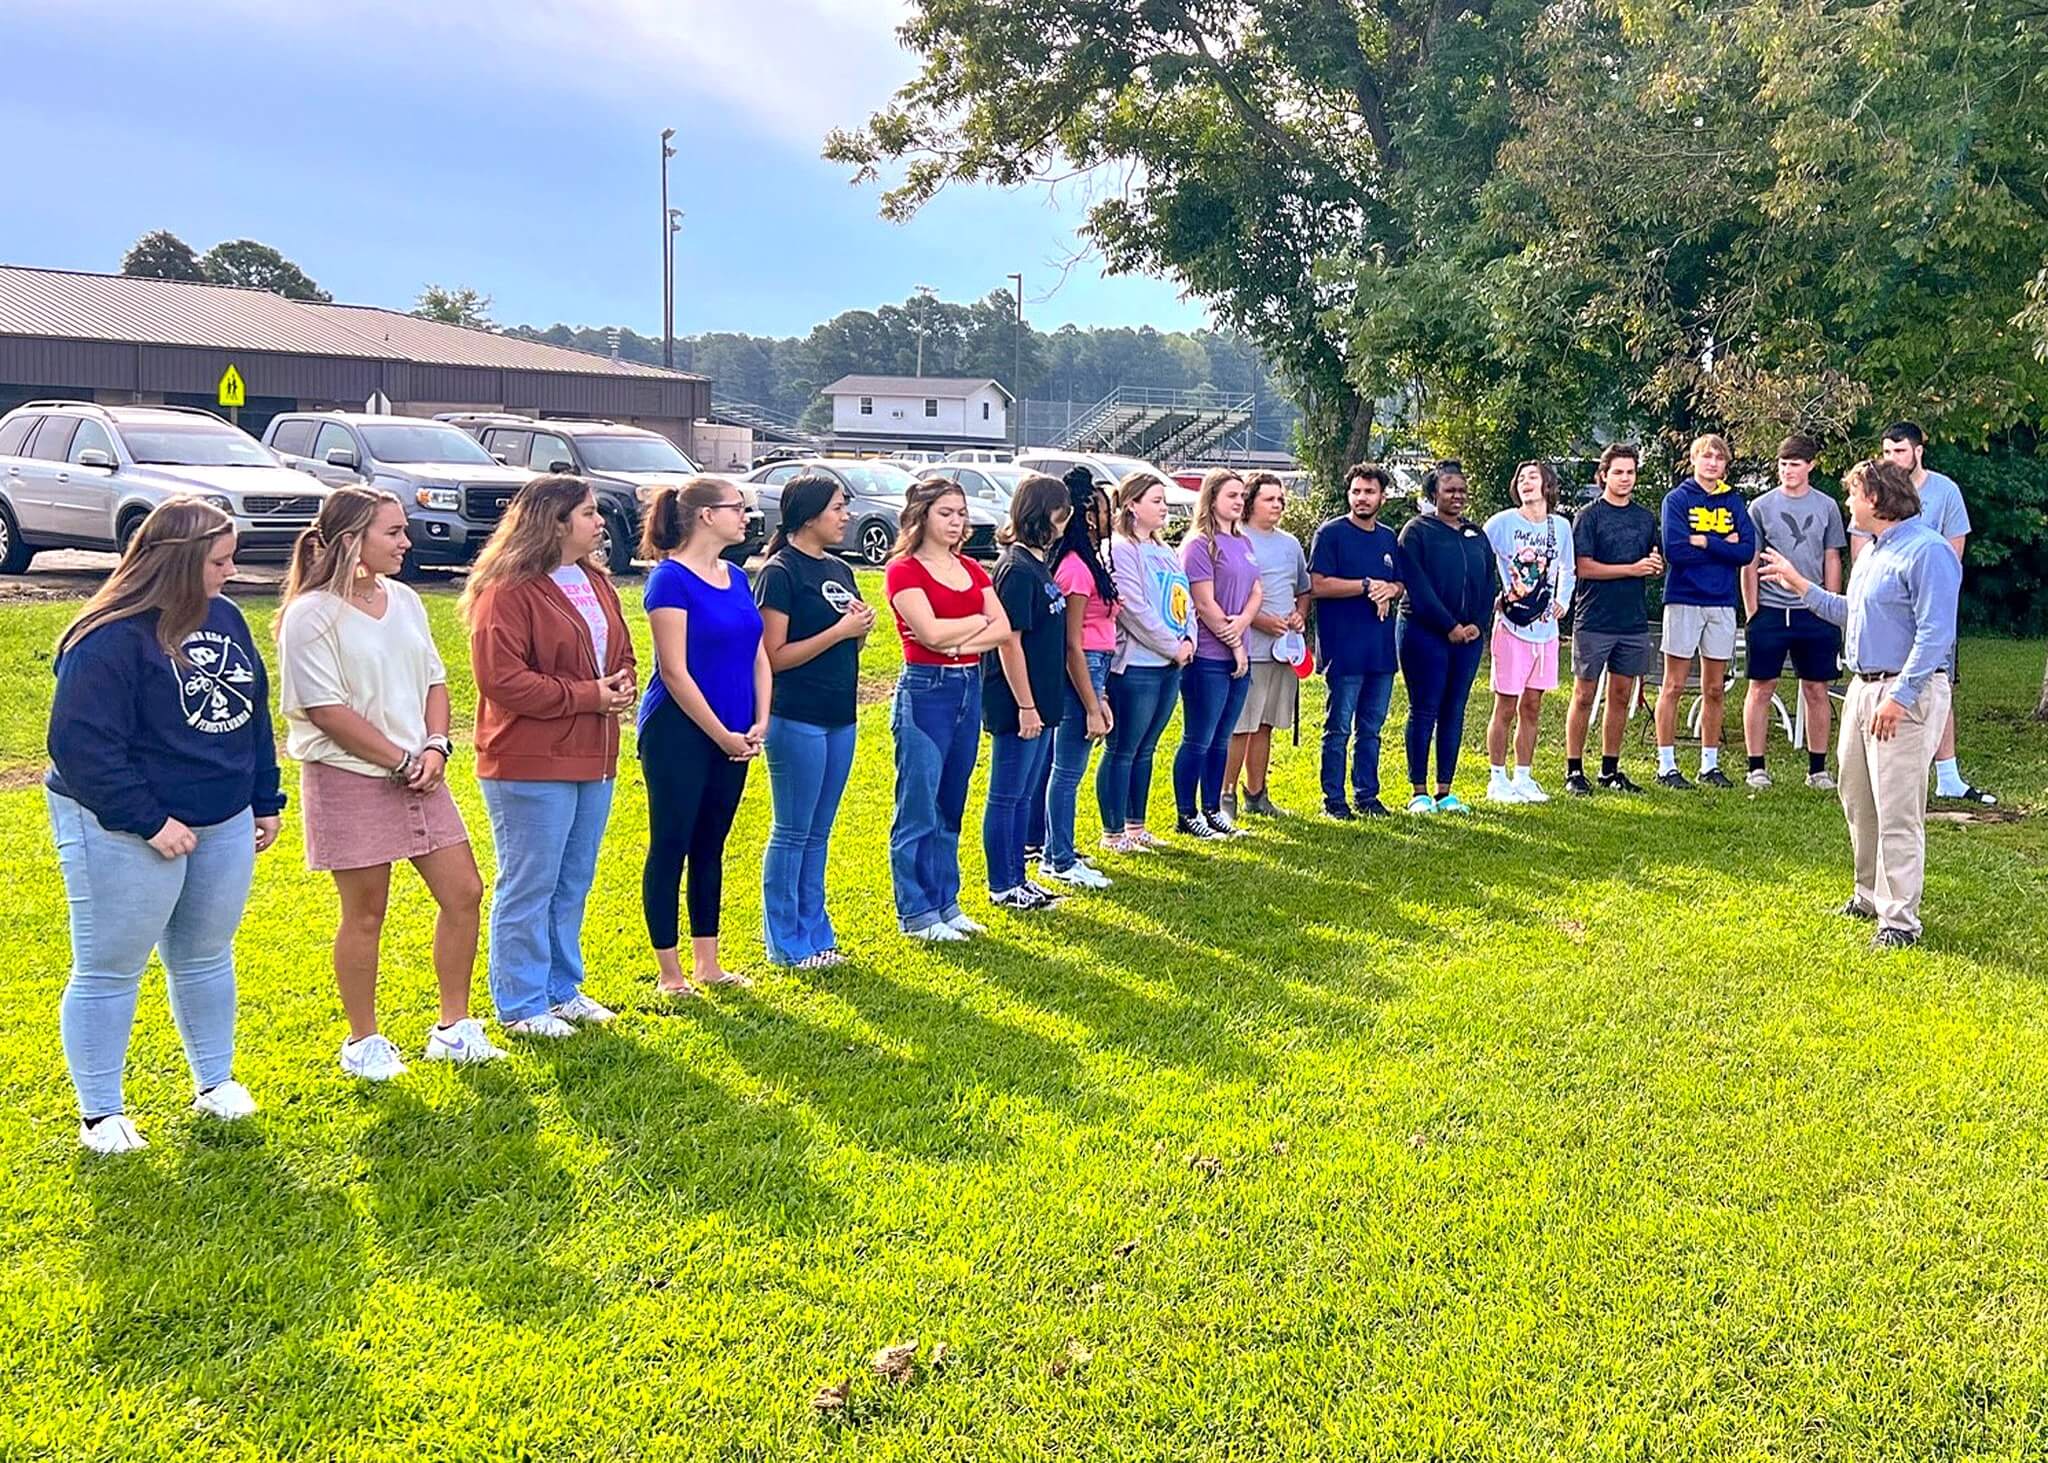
<point>1446,566</point>
<point>162,791</point>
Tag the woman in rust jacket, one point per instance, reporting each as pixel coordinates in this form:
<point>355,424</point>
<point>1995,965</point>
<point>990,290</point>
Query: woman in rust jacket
<point>554,675</point>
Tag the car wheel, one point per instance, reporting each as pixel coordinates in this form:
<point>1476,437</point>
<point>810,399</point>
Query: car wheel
<point>124,531</point>
<point>615,549</point>
<point>874,542</point>
<point>14,554</point>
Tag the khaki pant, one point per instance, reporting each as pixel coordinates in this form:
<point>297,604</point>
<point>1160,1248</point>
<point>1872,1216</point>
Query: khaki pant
<point>1884,795</point>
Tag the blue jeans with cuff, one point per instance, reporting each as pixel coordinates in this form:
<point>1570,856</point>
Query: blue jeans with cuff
<point>936,718</point>
<point>547,835</point>
<point>807,770</point>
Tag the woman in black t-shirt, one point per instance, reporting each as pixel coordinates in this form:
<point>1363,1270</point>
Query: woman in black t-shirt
<point>813,621</point>
<point>1023,685</point>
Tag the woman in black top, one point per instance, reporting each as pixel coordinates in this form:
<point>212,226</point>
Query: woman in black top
<point>1446,566</point>
<point>1023,685</point>
<point>813,621</point>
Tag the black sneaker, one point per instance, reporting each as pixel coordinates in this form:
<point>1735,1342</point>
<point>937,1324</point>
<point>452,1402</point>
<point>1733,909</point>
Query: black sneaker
<point>1894,940</point>
<point>1222,825</point>
<point>1715,777</point>
<point>1372,808</point>
<point>1975,795</point>
<point>1618,781</point>
<point>1261,802</point>
<point>1575,783</point>
<point>1340,811</point>
<point>1048,896</point>
<point>1196,826</point>
<point>1675,780</point>
<point>1033,852</point>
<point>1857,909</point>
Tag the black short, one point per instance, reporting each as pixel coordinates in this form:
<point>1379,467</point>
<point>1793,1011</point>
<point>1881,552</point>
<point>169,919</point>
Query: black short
<point>1814,645</point>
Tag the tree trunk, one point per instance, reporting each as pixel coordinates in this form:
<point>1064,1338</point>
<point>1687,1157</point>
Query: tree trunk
<point>2041,710</point>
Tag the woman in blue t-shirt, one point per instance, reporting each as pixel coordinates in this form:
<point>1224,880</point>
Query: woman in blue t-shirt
<point>703,719</point>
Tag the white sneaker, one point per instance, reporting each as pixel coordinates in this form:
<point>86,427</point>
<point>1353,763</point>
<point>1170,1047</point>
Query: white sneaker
<point>1528,789</point>
<point>110,1135</point>
<point>1499,789</point>
<point>938,934</point>
<point>581,1009</point>
<point>462,1043</point>
<point>228,1102</point>
<point>1080,874</point>
<point>960,924</point>
<point>1820,782</point>
<point>546,1024</point>
<point>1422,802</point>
<point>1757,778</point>
<point>374,1058</point>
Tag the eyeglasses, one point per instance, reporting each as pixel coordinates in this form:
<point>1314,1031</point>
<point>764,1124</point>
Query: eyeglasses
<point>736,503</point>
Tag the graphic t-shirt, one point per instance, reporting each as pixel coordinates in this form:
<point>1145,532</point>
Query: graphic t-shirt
<point>1803,529</point>
<point>946,602</point>
<point>1161,593</point>
<point>574,582</point>
<point>1607,534</point>
<point>1354,638</point>
<point>1098,621</point>
<point>1283,573</point>
<point>1037,608</point>
<point>1528,554</point>
<point>814,592</point>
<point>331,653</point>
<point>1232,570</point>
<point>722,635</point>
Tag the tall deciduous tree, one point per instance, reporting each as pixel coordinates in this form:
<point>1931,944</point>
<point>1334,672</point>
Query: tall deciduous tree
<point>258,266</point>
<point>463,306</point>
<point>162,255</point>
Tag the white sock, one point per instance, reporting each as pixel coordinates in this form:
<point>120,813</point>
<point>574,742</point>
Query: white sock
<point>1667,760</point>
<point>1710,758</point>
<point>1521,774</point>
<point>1948,778</point>
<point>1499,769</point>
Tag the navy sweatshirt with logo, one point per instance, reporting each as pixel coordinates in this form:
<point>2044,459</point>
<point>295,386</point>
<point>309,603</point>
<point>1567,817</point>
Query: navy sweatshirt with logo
<point>137,738</point>
<point>1712,575</point>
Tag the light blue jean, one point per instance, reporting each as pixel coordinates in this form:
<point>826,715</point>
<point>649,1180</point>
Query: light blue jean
<point>127,900</point>
<point>936,719</point>
<point>807,770</point>
<point>547,836</point>
<point>1051,825</point>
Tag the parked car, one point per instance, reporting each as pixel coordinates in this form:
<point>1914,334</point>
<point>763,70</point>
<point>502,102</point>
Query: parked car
<point>1110,469</point>
<point>624,465</point>
<point>874,505</point>
<point>981,454</point>
<point>916,457</point>
<point>993,484</point>
<point>76,475</point>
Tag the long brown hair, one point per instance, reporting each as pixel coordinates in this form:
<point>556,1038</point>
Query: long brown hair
<point>917,511</point>
<point>675,514</point>
<point>527,543</point>
<point>1213,482</point>
<point>162,569</point>
<point>328,554</point>
<point>1134,486</point>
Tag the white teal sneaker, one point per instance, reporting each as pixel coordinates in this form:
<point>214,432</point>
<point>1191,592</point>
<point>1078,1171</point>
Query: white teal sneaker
<point>581,1010</point>
<point>1422,802</point>
<point>111,1135</point>
<point>1528,789</point>
<point>374,1058</point>
<point>463,1043</point>
<point>1450,802</point>
<point>546,1025</point>
<point>1500,789</point>
<point>230,1101</point>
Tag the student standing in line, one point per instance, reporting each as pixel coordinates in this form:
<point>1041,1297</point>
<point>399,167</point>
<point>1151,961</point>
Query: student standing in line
<point>1356,585</point>
<point>947,614</point>
<point>1616,540</point>
<point>1806,527</point>
<point>1942,509</point>
<point>1707,539</point>
<point>1090,593</point>
<point>1446,566</point>
<point>1275,695</point>
<point>162,790</point>
<point>702,720</point>
<point>1532,551</point>
<point>814,623</point>
<point>1154,644</point>
<point>366,698</point>
<point>554,673</point>
<point>1023,686</point>
<point>1224,579</point>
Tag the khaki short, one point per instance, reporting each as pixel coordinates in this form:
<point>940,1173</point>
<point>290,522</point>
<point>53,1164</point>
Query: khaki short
<point>1275,693</point>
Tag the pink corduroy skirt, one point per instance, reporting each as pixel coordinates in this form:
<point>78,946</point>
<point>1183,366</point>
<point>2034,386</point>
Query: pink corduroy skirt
<point>358,822</point>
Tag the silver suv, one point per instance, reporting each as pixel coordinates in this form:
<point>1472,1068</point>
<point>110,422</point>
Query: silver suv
<point>78,476</point>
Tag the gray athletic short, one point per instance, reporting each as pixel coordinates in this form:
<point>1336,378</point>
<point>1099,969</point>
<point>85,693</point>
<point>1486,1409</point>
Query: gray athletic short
<point>1702,630</point>
<point>1597,652</point>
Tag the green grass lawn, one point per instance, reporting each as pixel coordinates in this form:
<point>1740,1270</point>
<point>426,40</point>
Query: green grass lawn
<point>1584,1131</point>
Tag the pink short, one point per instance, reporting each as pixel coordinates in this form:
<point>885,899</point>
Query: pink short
<point>358,822</point>
<point>1519,666</point>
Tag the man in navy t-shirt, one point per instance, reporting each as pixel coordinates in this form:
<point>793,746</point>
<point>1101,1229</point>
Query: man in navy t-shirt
<point>1352,576</point>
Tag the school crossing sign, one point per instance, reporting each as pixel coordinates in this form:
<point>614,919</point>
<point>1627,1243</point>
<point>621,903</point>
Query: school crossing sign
<point>233,392</point>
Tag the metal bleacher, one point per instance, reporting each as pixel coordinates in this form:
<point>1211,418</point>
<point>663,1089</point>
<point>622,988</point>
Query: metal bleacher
<point>1157,424</point>
<point>768,425</point>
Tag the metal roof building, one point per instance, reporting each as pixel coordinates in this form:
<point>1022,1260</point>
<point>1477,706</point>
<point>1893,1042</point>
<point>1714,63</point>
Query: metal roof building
<point>114,339</point>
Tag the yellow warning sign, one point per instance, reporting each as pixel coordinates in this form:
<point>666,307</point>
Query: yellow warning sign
<point>232,391</point>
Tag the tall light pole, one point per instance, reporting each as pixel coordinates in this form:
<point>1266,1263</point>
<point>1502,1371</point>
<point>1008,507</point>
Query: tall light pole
<point>669,225</point>
<point>924,310</point>
<point>1017,370</point>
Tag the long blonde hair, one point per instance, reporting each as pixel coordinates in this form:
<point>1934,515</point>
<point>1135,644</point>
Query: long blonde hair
<point>1205,506</point>
<point>1134,486</point>
<point>328,554</point>
<point>162,569</point>
<point>527,543</point>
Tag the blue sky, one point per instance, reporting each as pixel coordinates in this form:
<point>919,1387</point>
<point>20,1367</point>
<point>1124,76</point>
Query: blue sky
<point>512,146</point>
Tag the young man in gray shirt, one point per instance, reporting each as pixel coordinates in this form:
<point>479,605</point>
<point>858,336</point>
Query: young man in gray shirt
<point>1806,527</point>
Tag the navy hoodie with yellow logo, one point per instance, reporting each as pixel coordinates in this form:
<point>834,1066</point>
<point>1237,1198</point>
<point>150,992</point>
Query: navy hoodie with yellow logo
<point>1710,575</point>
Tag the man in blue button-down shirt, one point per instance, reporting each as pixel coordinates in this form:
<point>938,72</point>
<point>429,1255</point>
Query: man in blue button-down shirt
<point>1900,618</point>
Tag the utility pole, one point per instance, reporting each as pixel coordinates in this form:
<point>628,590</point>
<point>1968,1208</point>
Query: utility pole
<point>924,310</point>
<point>668,259</point>
<point>1017,370</point>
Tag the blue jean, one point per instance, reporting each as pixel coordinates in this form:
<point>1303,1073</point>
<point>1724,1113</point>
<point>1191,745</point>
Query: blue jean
<point>1361,702</point>
<point>1016,771</point>
<point>1211,698</point>
<point>126,900</point>
<point>1439,676</point>
<point>1141,699</point>
<point>547,836</point>
<point>936,719</point>
<point>1051,823</point>
<point>808,766</point>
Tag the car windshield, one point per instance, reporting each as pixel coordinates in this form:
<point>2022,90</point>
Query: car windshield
<point>197,445</point>
<point>1123,467</point>
<point>634,454</point>
<point>1004,478</point>
<point>875,479</point>
<point>427,442</point>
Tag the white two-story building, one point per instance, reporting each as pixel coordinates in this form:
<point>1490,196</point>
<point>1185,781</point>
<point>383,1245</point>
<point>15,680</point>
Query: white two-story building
<point>920,411</point>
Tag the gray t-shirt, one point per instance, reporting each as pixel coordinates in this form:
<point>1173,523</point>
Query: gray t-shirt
<point>1803,529</point>
<point>1283,574</point>
<point>1941,505</point>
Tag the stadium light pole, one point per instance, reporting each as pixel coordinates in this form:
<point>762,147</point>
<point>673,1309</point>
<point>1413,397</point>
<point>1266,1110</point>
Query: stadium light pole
<point>1017,370</point>
<point>924,310</point>
<point>668,259</point>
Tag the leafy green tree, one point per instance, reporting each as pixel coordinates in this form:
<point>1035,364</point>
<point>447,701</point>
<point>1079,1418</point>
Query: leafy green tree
<point>162,255</point>
<point>258,266</point>
<point>463,306</point>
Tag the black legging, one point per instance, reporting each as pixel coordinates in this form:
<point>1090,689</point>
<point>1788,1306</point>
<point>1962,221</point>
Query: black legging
<point>693,791</point>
